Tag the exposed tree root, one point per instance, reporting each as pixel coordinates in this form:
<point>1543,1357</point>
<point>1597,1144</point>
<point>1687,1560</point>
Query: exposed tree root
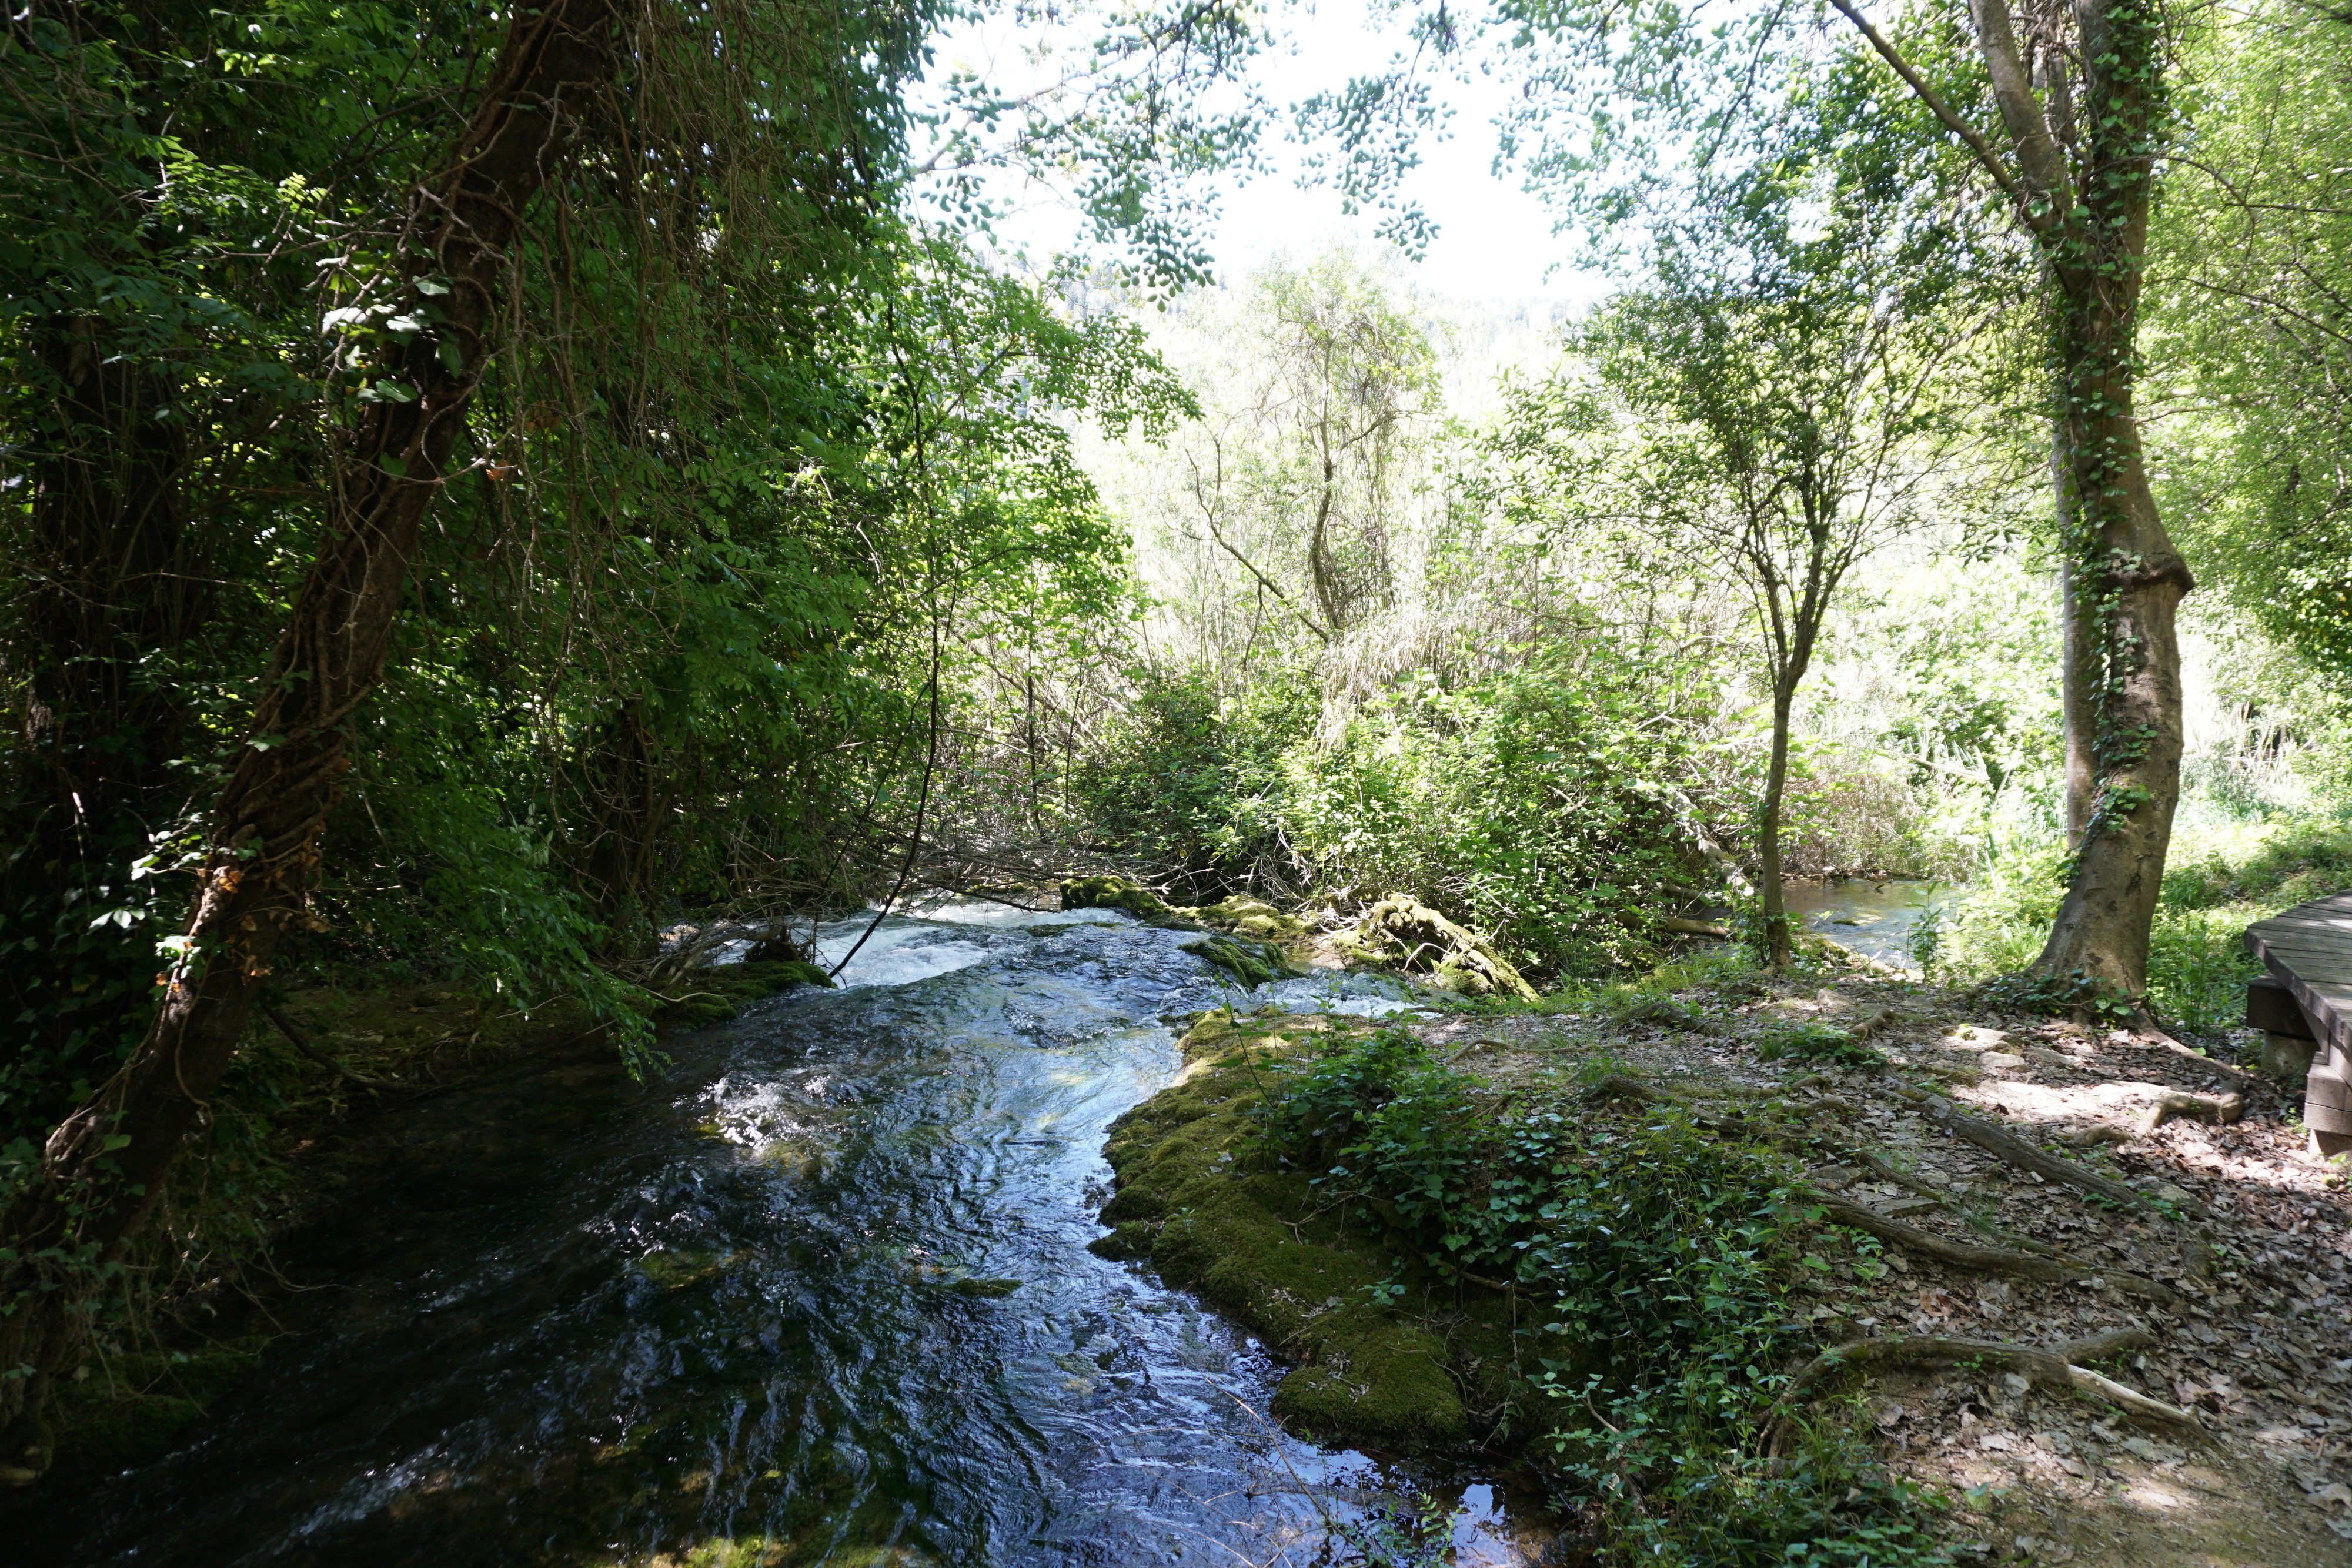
<point>1623,1086</point>
<point>1981,1260</point>
<point>1885,1171</point>
<point>1675,925</point>
<point>2054,1364</point>
<point>2220,1111</point>
<point>2010,1149</point>
<point>2204,1063</point>
<point>302,1043</point>
<point>1877,1021</point>
<point>2091,1137</point>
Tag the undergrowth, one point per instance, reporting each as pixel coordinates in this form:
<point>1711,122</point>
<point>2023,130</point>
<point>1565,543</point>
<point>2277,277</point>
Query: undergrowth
<point>1816,1042</point>
<point>2219,881</point>
<point>1663,1256</point>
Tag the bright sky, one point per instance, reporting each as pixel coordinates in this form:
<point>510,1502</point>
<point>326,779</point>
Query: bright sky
<point>1495,241</point>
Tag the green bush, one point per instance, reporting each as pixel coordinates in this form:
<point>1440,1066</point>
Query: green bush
<point>1539,805</point>
<point>2219,879</point>
<point>1180,781</point>
<point>1536,806</point>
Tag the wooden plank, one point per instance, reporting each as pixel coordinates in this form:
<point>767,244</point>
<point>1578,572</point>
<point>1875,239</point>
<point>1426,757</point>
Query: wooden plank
<point>2309,950</point>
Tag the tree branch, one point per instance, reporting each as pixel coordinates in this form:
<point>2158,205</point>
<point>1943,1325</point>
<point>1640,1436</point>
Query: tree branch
<point>1984,152</point>
<point>2038,157</point>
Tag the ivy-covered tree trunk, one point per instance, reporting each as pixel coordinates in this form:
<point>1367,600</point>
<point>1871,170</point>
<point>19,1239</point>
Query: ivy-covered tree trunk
<point>2125,583</point>
<point>1772,890</point>
<point>2077,677</point>
<point>2125,579</point>
<point>104,1168</point>
<point>2084,118</point>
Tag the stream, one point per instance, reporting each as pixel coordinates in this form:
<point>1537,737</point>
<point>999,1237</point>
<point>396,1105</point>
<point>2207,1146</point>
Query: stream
<point>820,1295</point>
<point>1877,918</point>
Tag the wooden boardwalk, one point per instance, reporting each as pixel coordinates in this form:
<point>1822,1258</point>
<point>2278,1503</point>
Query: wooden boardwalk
<point>2308,951</point>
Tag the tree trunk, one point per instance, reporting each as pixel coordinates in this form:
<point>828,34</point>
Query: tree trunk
<point>2083,182</point>
<point>1318,555</point>
<point>2125,592</point>
<point>1776,945</point>
<point>2126,579</point>
<point>2078,678</point>
<point>104,1168</point>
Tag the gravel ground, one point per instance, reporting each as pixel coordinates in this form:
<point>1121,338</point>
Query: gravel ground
<point>2238,1273</point>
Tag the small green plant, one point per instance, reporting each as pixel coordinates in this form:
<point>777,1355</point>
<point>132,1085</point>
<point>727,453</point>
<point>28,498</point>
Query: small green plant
<point>1716,964</point>
<point>1816,1042</point>
<point>1661,1257</point>
<point>2050,996</point>
<point>1416,1530</point>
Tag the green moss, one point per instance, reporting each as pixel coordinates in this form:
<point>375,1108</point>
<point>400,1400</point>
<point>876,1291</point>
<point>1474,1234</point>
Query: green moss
<point>1251,963</point>
<point>1195,1196</point>
<point>1124,892</point>
<point>1401,932</point>
<point>129,1408</point>
<point>1112,893</point>
<point>716,995</point>
<point>1250,917</point>
<point>675,1271</point>
<point>782,975</point>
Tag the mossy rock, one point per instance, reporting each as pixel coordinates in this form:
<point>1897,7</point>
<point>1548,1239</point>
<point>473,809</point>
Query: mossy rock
<point>719,993</point>
<point>1112,893</point>
<point>1194,1195</point>
<point>681,1269</point>
<point>1242,916</point>
<point>1124,892</point>
<point>1401,932</point>
<point>129,1412</point>
<point>1251,963</point>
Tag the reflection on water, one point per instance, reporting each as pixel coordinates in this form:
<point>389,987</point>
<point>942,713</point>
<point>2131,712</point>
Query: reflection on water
<point>822,1296</point>
<point>1878,918</point>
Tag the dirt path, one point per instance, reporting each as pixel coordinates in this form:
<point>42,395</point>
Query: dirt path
<point>2239,1277</point>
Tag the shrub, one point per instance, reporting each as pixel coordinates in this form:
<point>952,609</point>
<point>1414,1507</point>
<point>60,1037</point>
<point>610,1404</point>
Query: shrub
<point>1539,805</point>
<point>1177,781</point>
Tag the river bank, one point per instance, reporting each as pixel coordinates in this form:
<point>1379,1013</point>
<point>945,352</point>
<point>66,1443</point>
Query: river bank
<point>2210,1284</point>
<point>836,1279</point>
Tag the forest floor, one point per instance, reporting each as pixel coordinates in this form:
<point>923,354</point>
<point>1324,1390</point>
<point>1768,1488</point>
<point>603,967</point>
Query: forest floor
<point>2238,1273</point>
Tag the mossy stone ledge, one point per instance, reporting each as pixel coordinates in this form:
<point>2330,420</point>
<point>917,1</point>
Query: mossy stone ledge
<point>716,994</point>
<point>1431,1368</point>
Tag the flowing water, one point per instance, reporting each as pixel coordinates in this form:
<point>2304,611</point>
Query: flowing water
<point>819,1296</point>
<point>1880,918</point>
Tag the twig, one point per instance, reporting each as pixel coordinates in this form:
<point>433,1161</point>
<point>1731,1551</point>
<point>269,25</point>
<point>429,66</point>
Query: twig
<point>302,1043</point>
